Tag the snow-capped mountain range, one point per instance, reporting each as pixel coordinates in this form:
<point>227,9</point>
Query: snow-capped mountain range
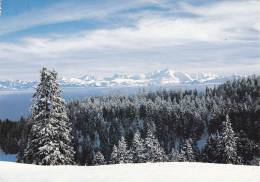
<point>161,77</point>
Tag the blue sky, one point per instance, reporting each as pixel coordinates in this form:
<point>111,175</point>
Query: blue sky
<point>78,37</point>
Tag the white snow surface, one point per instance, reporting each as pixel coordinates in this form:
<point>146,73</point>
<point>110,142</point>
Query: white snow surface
<point>152,172</point>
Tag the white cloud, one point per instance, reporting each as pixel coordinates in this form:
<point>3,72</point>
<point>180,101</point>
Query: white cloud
<point>218,33</point>
<point>244,13</point>
<point>153,33</point>
<point>1,8</point>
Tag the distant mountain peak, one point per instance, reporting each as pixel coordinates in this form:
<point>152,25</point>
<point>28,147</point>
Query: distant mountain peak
<point>160,77</point>
<point>88,78</point>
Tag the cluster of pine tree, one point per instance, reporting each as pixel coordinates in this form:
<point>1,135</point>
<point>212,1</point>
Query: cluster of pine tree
<point>220,125</point>
<point>222,147</point>
<point>141,150</point>
<point>177,117</point>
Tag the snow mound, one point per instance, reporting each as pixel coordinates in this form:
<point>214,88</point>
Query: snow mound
<point>152,172</point>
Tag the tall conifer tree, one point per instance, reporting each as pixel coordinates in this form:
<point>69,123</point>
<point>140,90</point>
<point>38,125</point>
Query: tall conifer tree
<point>50,139</point>
<point>114,158</point>
<point>228,144</point>
<point>154,152</point>
<point>123,154</point>
<point>138,149</point>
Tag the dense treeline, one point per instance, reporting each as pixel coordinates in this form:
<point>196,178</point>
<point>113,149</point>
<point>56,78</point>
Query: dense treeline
<point>175,116</point>
<point>10,134</point>
<point>172,125</point>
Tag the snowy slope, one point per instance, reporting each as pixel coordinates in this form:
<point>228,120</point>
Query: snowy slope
<point>152,172</point>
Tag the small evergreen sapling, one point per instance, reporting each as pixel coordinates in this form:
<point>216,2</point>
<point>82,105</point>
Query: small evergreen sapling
<point>228,144</point>
<point>114,158</point>
<point>99,159</point>
<point>138,149</point>
<point>123,154</point>
<point>154,152</point>
<point>187,153</point>
<point>173,156</point>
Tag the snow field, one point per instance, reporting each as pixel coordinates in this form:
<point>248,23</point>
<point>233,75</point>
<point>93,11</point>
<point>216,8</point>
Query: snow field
<point>150,172</point>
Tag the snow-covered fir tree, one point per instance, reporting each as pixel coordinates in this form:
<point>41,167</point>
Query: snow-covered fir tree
<point>138,149</point>
<point>228,144</point>
<point>114,158</point>
<point>99,159</point>
<point>173,156</point>
<point>187,152</point>
<point>154,152</point>
<point>50,139</point>
<point>181,156</point>
<point>123,154</point>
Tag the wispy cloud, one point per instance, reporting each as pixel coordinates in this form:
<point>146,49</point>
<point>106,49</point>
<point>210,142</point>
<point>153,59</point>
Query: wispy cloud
<point>66,12</point>
<point>1,9</point>
<point>213,35</point>
<point>155,32</point>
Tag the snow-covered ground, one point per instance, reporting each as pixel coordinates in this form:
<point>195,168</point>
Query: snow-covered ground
<point>152,172</point>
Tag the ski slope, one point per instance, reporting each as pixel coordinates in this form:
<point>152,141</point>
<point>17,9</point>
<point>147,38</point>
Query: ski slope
<point>152,172</point>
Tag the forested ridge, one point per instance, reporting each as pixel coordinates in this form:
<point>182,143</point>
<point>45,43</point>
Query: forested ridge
<point>176,125</point>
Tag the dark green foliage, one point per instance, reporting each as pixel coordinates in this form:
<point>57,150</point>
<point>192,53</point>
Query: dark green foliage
<point>10,134</point>
<point>210,152</point>
<point>246,148</point>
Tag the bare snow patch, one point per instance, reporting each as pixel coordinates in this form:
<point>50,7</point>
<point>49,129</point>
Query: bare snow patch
<point>152,172</point>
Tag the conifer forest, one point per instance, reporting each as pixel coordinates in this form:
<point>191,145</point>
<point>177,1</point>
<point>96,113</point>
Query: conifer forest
<point>215,125</point>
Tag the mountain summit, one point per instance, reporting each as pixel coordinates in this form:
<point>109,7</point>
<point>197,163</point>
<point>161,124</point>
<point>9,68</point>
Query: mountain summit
<point>160,77</point>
